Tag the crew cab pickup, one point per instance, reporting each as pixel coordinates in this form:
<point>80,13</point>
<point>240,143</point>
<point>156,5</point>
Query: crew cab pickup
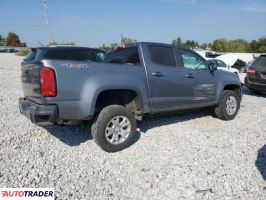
<point>66,84</point>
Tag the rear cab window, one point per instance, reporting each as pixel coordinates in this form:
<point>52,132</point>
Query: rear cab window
<point>129,55</point>
<point>259,64</point>
<point>77,54</point>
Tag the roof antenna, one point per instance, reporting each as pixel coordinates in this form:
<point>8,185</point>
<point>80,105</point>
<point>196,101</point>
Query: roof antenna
<point>123,40</point>
<point>41,44</point>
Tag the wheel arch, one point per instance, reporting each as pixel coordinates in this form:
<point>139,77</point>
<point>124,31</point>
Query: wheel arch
<point>129,98</point>
<point>235,88</point>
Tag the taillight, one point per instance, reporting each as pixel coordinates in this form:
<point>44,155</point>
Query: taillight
<point>251,73</point>
<point>47,82</point>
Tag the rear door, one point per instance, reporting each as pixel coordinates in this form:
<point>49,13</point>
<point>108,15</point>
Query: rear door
<point>165,80</point>
<point>200,83</point>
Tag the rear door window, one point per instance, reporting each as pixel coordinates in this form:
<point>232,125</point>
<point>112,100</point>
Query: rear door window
<point>125,56</point>
<point>162,55</point>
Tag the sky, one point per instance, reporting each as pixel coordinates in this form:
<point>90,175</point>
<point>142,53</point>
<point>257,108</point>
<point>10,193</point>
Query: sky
<point>94,22</point>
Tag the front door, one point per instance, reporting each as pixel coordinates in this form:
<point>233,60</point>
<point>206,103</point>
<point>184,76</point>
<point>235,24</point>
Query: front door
<point>165,78</point>
<point>200,82</point>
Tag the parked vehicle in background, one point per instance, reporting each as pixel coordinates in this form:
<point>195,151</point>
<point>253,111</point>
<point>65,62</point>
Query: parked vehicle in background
<point>2,50</point>
<point>255,79</point>
<point>240,65</point>
<point>65,84</point>
<point>233,61</point>
<point>250,63</point>
<point>8,50</point>
<point>222,66</point>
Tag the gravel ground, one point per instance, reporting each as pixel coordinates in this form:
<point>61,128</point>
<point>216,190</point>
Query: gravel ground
<point>183,156</point>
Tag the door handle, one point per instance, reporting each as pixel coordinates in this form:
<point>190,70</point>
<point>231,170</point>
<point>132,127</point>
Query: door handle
<point>159,74</point>
<point>189,76</point>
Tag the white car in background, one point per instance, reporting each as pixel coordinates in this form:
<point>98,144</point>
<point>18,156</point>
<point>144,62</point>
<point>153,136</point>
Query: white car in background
<point>223,66</point>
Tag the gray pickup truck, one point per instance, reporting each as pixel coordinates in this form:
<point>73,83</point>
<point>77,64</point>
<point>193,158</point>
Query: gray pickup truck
<point>68,84</point>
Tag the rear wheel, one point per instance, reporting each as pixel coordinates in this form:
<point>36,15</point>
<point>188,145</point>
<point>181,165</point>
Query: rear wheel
<point>228,106</point>
<point>114,128</point>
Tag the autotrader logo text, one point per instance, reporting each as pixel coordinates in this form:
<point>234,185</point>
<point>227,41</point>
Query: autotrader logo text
<point>27,193</point>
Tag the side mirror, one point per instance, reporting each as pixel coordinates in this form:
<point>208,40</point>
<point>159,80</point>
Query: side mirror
<point>212,66</point>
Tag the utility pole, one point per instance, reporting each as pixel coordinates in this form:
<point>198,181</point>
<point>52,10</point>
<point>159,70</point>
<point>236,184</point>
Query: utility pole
<point>50,40</point>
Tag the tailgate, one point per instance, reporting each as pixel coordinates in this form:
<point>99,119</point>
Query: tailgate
<point>30,79</point>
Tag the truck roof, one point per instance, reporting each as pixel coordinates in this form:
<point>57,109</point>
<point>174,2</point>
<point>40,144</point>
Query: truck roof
<point>62,47</point>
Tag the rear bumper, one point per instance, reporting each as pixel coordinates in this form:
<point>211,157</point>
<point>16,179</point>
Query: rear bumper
<point>255,86</point>
<point>38,114</point>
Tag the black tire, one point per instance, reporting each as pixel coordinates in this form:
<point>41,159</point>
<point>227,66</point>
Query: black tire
<point>220,110</point>
<point>101,121</point>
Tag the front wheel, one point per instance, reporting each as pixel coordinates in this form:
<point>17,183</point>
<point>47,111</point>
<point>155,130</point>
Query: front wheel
<point>113,130</point>
<point>228,106</point>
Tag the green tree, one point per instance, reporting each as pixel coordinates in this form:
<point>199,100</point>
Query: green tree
<point>177,42</point>
<point>105,47</point>
<point>113,45</point>
<point>127,41</point>
<point>191,44</point>
<point>239,45</point>
<point>220,45</point>
<point>253,46</point>
<point>62,43</point>
<point>203,46</point>
<point>108,48</point>
<point>13,40</point>
<point>262,45</point>
<point>2,41</point>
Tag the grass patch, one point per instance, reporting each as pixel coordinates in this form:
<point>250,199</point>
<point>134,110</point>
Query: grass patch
<point>23,52</point>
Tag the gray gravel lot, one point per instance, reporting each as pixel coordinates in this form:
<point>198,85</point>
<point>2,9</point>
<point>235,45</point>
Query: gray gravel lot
<point>183,156</point>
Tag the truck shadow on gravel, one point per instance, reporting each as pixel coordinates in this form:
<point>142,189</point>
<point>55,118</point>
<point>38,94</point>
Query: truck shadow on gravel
<point>74,135</point>
<point>261,161</point>
<point>172,118</point>
<point>247,92</point>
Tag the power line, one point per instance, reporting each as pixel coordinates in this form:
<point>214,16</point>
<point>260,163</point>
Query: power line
<point>20,25</point>
<point>32,30</point>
